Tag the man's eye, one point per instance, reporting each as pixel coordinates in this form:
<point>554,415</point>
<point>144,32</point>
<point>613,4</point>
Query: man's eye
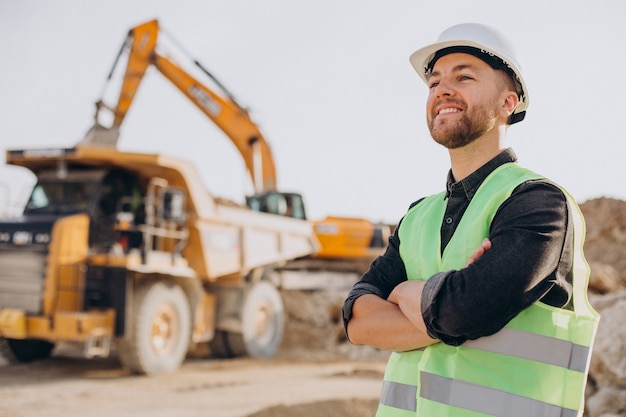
<point>434,84</point>
<point>465,77</point>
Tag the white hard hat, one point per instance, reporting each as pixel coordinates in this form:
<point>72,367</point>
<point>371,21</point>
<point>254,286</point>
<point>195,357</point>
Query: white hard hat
<point>483,42</point>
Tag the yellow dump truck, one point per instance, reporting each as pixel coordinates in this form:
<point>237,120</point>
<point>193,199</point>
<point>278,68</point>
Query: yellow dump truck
<point>131,248</point>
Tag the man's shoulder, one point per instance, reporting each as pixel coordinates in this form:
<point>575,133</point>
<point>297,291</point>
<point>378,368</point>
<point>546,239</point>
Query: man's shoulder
<point>541,186</point>
<point>539,196</point>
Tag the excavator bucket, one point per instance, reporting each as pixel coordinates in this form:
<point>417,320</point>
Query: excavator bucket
<point>99,135</point>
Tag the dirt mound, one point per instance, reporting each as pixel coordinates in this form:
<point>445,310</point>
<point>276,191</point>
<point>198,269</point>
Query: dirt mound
<point>606,231</point>
<point>605,250</point>
<point>337,408</point>
<point>605,243</point>
<point>314,319</point>
<point>314,327</point>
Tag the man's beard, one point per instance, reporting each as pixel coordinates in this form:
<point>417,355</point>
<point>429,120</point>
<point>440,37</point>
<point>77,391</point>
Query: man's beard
<point>464,131</point>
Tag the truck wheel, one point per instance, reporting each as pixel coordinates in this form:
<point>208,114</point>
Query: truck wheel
<point>262,323</point>
<point>263,320</point>
<point>18,350</point>
<point>160,330</point>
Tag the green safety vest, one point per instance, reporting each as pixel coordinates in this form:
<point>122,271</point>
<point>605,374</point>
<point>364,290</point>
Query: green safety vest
<point>535,366</point>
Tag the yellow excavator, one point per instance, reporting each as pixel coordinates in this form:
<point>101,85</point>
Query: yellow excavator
<point>345,239</point>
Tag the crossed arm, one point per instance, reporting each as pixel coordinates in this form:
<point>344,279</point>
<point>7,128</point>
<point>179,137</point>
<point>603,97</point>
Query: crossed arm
<point>395,323</point>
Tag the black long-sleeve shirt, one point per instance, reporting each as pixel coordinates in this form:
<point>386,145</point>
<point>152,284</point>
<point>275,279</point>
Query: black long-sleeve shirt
<point>530,260</point>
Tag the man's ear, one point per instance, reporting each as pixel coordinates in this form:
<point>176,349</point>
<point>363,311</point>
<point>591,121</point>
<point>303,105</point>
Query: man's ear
<point>509,103</point>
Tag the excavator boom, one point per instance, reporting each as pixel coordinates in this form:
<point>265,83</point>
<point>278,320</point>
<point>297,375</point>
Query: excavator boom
<point>222,109</point>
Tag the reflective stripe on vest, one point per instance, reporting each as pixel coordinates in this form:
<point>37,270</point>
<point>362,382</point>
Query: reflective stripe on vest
<point>467,396</point>
<point>486,400</point>
<point>535,366</point>
<point>534,347</point>
<point>399,395</point>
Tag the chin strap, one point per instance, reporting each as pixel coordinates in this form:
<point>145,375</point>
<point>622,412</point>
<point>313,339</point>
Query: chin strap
<point>517,117</point>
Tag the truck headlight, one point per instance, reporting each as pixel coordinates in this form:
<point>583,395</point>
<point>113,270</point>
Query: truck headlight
<point>22,238</point>
<point>42,238</point>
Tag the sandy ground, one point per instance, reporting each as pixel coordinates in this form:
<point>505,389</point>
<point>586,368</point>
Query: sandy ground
<point>70,386</point>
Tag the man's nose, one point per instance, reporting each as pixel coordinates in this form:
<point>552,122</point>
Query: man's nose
<point>444,88</point>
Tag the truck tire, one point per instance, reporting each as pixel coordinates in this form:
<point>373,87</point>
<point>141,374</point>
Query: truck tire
<point>262,324</point>
<point>17,350</point>
<point>160,330</point>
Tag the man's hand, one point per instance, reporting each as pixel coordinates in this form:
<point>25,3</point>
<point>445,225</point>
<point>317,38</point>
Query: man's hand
<point>484,247</point>
<point>408,296</point>
<point>380,323</point>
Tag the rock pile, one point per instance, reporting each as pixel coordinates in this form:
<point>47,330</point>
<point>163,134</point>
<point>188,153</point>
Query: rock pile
<point>605,250</point>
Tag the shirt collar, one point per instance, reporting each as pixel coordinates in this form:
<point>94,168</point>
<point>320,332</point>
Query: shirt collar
<point>469,185</point>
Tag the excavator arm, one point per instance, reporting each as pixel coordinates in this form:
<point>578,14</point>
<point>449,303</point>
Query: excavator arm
<point>220,107</point>
<point>340,237</point>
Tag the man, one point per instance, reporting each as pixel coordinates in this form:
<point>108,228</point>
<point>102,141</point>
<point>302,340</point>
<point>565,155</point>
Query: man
<point>481,293</point>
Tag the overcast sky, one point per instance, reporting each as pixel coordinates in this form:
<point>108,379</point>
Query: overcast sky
<point>329,84</point>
